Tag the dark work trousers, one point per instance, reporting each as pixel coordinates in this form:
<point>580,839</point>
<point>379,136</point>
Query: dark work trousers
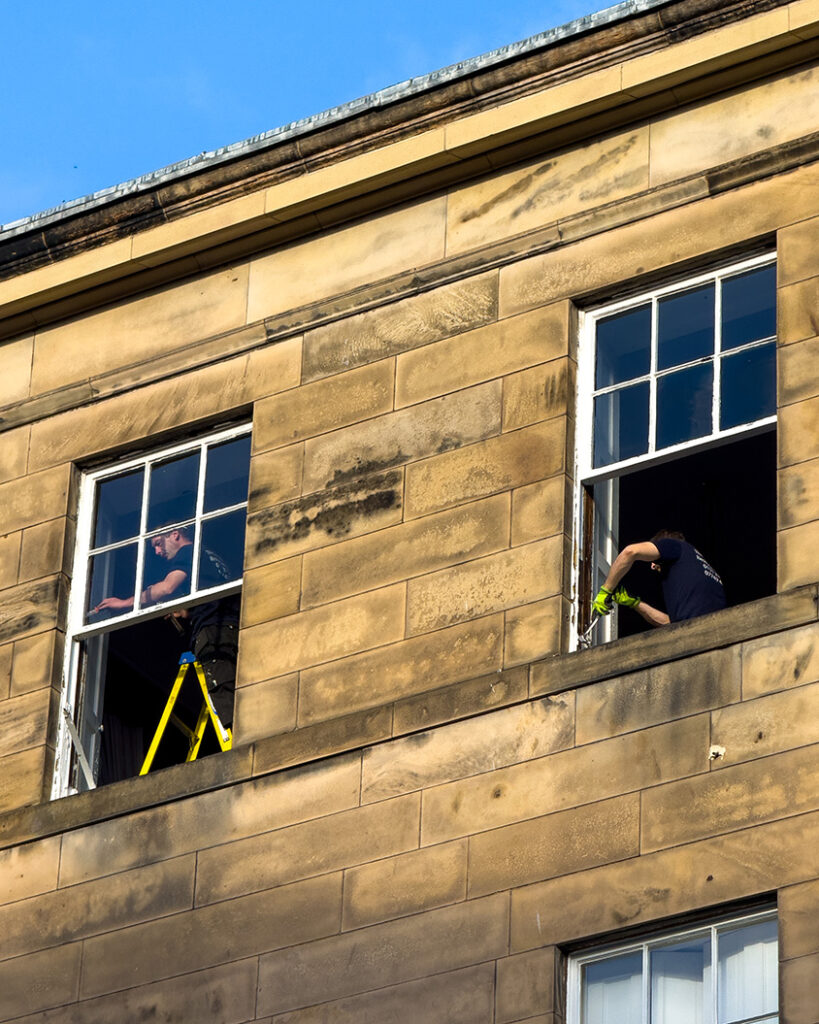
<point>216,648</point>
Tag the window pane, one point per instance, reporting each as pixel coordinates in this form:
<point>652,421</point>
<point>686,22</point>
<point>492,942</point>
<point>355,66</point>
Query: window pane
<point>227,474</point>
<point>119,504</point>
<point>113,574</point>
<point>681,982</point>
<point>685,327</point>
<point>223,546</point>
<point>623,346</point>
<point>173,490</point>
<point>749,307</point>
<point>612,990</point>
<point>748,980</point>
<point>684,405</point>
<point>621,424</point>
<point>169,552</point>
<point>748,386</point>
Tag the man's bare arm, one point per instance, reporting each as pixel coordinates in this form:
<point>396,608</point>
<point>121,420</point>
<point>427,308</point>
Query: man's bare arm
<point>645,551</point>
<point>653,616</point>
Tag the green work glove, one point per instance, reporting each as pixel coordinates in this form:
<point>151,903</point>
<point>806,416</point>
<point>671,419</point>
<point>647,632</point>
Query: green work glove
<point>622,596</point>
<point>602,604</point>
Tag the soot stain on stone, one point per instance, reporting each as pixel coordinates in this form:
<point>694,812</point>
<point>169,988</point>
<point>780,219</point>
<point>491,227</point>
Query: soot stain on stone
<point>332,512</point>
<point>361,468</point>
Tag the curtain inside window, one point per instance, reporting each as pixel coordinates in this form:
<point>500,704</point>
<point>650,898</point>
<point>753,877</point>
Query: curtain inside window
<point>748,972</point>
<point>612,990</point>
<point>681,983</point>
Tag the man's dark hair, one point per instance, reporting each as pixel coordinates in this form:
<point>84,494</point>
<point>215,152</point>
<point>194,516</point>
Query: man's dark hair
<point>667,535</point>
<point>186,531</point>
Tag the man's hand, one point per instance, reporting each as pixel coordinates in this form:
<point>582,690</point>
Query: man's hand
<point>622,596</point>
<point>118,604</point>
<point>602,604</point>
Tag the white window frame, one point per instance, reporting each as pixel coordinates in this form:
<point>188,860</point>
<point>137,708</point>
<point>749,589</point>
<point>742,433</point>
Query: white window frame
<point>586,475</point>
<point>576,963</point>
<point>76,629</point>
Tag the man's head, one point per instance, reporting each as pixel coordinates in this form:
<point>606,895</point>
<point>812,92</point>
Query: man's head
<point>665,535</point>
<point>166,543</point>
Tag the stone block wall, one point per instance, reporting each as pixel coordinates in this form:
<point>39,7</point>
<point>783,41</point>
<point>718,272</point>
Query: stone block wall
<point>445,875</point>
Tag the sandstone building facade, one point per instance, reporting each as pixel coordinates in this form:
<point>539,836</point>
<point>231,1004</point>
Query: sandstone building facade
<point>417,367</point>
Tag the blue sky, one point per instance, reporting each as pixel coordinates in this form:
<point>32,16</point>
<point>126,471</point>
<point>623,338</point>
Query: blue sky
<point>99,91</point>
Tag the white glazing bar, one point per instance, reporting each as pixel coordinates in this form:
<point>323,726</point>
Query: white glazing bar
<point>716,397</point>
<point>652,387</point>
<point>646,987</point>
<point>714,975</point>
<point>197,532</point>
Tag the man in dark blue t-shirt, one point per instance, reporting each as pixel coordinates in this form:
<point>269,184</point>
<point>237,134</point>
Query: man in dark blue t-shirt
<point>691,587</point>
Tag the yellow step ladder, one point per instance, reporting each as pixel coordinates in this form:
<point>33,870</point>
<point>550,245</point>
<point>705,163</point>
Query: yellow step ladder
<point>207,714</point>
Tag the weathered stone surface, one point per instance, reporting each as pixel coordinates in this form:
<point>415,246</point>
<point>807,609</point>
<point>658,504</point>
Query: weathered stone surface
<point>798,493</point>
<point>35,498</point>
<point>538,393</point>
<point>29,869</point>
<point>312,742</point>
<point>143,415</point>
<point>461,700</point>
<point>46,549</point>
<point>104,905</point>
<point>798,919</point>
<point>275,477</point>
<point>665,240</point>
<point>343,259</point>
<point>271,591</point>
<point>800,983</point>
<point>6,653</point>
<point>526,984</point>
<point>504,462</point>
<point>160,833</point>
<point>408,884</point>
<point>222,995</point>
<point>386,954</point>
<point>15,357</point>
<point>797,374</point>
<point>322,634</point>
<point>359,506</point>
<point>461,749</point>
<point>797,312</point>
<point>556,844</point>
<point>401,326</point>
<point>658,694</point>
<point>796,245</point>
<point>311,848</point>
<point>23,778</point>
<point>566,779</point>
<point>25,721</point>
<point>798,432</point>
<point>756,728</point>
<point>265,709</point>
<point>535,630</point>
<point>402,669</point>
<point>146,326</point>
<point>545,191</point>
<point>210,936</point>
<point>9,559</point>
<point>40,980</point>
<point>407,550</point>
<point>13,452</point>
<point>492,351</point>
<point>779,661</point>
<point>37,662</point>
<point>732,798</point>
<point>680,640</point>
<point>32,608</point>
<point>647,888</point>
<point>485,585</point>
<point>405,436</point>
<point>457,997</point>
<point>324,405</point>
<point>798,555</point>
<point>766,114</point>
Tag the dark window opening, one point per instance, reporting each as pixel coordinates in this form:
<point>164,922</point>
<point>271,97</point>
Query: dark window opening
<point>723,500</point>
<point>127,675</point>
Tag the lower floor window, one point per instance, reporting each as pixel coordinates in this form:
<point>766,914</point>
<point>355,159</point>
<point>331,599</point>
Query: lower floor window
<point>722,973</point>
